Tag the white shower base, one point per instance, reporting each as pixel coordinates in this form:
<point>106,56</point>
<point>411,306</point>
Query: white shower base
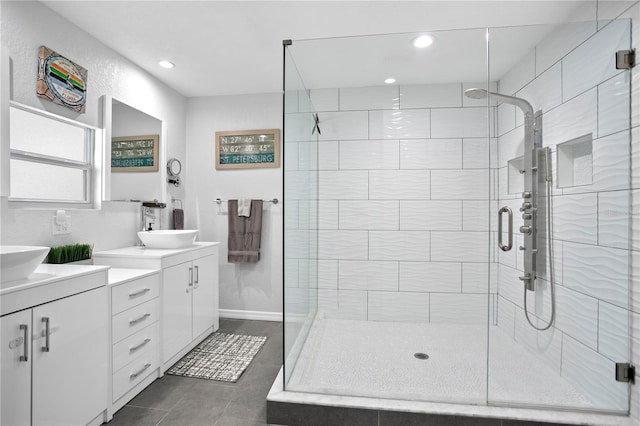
<point>376,359</point>
<point>360,368</point>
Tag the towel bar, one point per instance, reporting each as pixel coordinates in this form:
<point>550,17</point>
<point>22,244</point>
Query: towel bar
<point>274,200</point>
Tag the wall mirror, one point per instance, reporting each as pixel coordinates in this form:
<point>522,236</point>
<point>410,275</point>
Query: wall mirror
<point>132,170</point>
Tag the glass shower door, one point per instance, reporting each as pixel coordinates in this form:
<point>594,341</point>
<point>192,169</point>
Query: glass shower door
<point>300,214</point>
<point>405,187</point>
<point>557,344</point>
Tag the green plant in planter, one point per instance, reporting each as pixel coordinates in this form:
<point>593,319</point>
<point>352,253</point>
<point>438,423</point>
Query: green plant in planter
<point>69,253</point>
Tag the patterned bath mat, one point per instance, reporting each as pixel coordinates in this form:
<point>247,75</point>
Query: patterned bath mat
<point>221,356</point>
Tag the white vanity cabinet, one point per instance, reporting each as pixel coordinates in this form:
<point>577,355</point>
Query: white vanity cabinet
<point>188,292</point>
<point>134,296</point>
<point>189,303</point>
<point>54,354</point>
<point>15,356</point>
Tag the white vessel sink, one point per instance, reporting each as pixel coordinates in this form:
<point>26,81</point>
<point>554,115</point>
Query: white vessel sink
<point>168,239</point>
<point>18,262</point>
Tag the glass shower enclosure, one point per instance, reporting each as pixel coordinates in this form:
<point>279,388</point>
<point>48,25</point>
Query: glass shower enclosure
<point>444,242</point>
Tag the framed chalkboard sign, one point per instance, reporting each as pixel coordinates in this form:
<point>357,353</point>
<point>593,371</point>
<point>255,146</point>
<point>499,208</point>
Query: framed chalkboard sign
<point>248,149</point>
<point>134,154</point>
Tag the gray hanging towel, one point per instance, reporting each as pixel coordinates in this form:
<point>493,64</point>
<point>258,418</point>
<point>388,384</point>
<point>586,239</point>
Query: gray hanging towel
<point>178,219</point>
<point>244,233</point>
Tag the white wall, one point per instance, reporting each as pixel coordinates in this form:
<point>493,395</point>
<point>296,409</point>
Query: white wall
<point>243,287</point>
<point>25,26</point>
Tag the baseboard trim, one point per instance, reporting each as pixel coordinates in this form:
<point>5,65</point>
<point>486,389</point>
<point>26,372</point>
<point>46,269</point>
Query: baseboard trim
<point>251,315</point>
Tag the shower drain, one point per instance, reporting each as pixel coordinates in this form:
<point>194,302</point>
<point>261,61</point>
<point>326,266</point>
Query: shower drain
<point>421,355</point>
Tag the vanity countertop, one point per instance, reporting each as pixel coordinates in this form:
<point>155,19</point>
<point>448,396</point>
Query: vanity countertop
<point>50,282</point>
<point>153,253</point>
<point>123,275</point>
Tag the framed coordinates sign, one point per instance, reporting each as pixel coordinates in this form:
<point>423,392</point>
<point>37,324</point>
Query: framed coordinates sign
<point>134,154</point>
<point>248,149</point>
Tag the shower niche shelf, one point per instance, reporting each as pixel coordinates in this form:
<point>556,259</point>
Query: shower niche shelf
<point>515,181</point>
<point>575,162</point>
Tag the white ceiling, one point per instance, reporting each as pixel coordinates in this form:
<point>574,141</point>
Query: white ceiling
<point>235,47</point>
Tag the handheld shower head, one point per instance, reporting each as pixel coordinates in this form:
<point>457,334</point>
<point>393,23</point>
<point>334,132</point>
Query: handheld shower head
<point>524,105</point>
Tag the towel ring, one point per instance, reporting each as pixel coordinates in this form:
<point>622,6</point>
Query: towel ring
<point>273,200</point>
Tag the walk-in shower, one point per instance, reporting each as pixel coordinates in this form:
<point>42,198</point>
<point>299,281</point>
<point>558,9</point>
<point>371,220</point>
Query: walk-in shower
<point>399,199</point>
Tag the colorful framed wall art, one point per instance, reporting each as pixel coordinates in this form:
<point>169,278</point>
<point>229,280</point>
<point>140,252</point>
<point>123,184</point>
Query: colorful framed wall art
<point>61,81</point>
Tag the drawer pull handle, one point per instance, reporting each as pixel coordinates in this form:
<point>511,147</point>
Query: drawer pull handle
<point>139,345</point>
<point>137,320</point>
<point>139,292</point>
<point>46,346</point>
<point>139,372</point>
<point>25,329</point>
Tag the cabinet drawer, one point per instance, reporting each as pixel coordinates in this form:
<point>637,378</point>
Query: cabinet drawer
<point>133,373</point>
<point>133,347</point>
<point>134,292</point>
<point>135,319</point>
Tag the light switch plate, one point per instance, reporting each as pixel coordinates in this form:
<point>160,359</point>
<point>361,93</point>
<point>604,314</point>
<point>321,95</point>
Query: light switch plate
<point>57,229</point>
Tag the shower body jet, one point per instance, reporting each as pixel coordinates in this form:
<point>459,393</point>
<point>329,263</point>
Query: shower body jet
<point>529,208</point>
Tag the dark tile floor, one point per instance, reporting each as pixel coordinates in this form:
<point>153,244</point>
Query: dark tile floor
<point>183,401</point>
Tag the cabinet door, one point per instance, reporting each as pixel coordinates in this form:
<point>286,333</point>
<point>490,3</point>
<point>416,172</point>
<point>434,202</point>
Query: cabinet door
<point>15,377</point>
<point>205,293</point>
<point>176,309</point>
<point>70,379</point>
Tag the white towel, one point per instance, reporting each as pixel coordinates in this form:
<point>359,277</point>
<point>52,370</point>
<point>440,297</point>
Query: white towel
<point>244,207</point>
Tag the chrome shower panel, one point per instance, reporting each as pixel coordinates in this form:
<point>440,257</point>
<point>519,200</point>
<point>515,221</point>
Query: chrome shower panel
<point>530,195</point>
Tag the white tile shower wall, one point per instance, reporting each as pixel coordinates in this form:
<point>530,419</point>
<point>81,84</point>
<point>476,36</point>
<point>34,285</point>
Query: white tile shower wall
<point>478,152</point>
<point>369,214</point>
<point>579,92</point>
<point>544,93</point>
<point>613,218</point>
<point>430,277</point>
<point>368,275</point>
<point>431,215</point>
<point>613,329</point>
<point>431,154</point>
<point>387,306</point>
<point>460,122</point>
<point>404,202</point>
<point>431,96</point>
<point>519,76</point>
<point>593,62</point>
<point>367,98</point>
<point>370,154</point>
<point>458,309</point>
<point>562,41</point>
<point>597,384</point>
<point>399,124</point>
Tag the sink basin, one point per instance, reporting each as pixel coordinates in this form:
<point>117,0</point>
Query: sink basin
<point>18,262</point>
<point>168,239</point>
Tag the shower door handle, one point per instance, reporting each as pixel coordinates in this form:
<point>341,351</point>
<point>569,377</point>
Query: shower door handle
<point>507,210</point>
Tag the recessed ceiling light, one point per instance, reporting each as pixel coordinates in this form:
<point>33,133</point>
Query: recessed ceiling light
<point>422,41</point>
<point>166,64</point>
<point>390,80</point>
